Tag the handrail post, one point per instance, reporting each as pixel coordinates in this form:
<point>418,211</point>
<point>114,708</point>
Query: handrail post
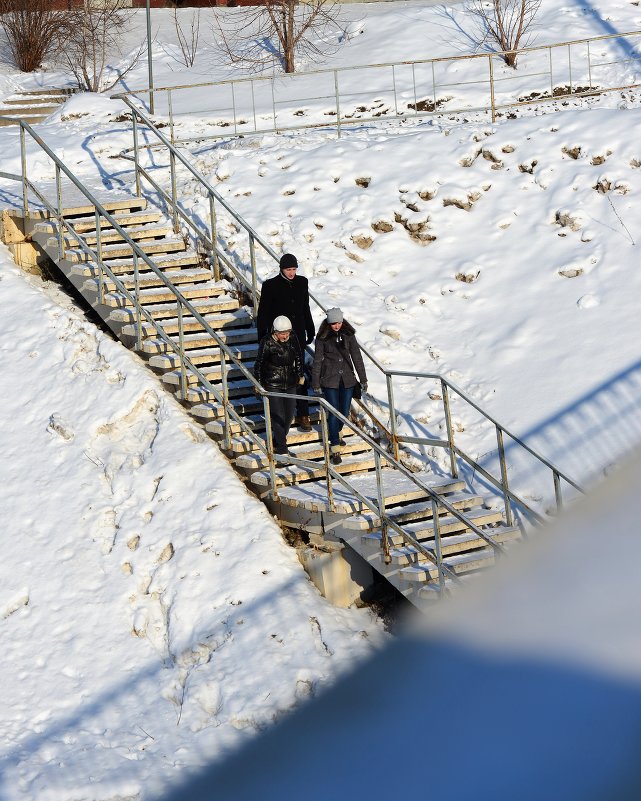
<point>174,193</point>
<point>60,215</point>
<point>338,104</point>
<point>492,97</point>
<point>181,350</point>
<point>101,269</point>
<point>557,491</point>
<point>226,420</point>
<point>392,415</point>
<point>506,494</point>
<point>270,448</point>
<point>252,261</point>
<point>381,510</point>
<point>450,430</point>
<point>437,547</point>
<point>172,136</point>
<point>214,237</point>
<point>326,455</point>
<point>23,167</point>
<point>137,299</point>
<point>136,152</point>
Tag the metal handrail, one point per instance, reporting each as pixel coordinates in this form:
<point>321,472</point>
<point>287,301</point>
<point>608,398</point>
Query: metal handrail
<point>395,439</point>
<point>413,112</point>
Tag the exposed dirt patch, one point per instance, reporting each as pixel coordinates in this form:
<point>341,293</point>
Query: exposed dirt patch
<point>572,272</point>
<point>363,242</point>
<point>529,168</point>
<point>468,278</point>
<point>572,152</point>
<point>363,181</point>
<point>596,161</point>
<point>428,105</point>
<point>562,91</point>
<point>566,220</point>
<point>382,226</point>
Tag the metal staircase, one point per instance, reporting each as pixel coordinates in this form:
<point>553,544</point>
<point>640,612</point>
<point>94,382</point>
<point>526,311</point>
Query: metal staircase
<point>179,307</point>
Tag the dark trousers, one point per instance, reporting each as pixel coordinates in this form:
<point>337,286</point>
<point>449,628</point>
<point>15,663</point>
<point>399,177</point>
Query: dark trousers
<point>341,400</point>
<point>281,414</point>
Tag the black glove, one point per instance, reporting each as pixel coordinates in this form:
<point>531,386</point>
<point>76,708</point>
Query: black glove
<point>309,339</point>
<point>363,387</point>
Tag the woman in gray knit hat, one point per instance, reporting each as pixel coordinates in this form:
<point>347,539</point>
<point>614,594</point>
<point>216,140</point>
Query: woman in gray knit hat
<point>337,360</point>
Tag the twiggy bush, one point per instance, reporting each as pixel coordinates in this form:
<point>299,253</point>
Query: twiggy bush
<point>34,31</point>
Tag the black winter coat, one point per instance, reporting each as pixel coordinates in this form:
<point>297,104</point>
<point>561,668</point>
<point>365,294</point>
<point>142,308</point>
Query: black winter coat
<point>334,354</point>
<point>279,365</point>
<point>279,296</point>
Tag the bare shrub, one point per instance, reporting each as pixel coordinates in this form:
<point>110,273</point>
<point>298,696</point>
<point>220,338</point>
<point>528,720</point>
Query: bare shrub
<point>187,39</point>
<point>505,24</point>
<point>34,31</point>
<point>97,35</point>
<point>279,31</point>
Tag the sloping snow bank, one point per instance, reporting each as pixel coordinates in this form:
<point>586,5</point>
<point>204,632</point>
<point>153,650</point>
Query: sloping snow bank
<point>150,612</point>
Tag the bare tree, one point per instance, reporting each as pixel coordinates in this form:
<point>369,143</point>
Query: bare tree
<point>34,31</point>
<point>279,31</point>
<point>507,24</point>
<point>98,34</point>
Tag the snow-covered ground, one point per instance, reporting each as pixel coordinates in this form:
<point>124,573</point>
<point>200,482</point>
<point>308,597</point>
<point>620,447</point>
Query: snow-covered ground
<point>201,626</point>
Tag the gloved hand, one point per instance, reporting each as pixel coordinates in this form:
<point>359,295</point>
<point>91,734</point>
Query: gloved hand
<point>301,381</point>
<point>363,387</point>
<point>318,391</point>
<point>309,339</point>
<point>256,390</point>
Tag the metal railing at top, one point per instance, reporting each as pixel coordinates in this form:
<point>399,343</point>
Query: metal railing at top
<point>219,252</point>
<point>406,90</point>
<point>104,219</point>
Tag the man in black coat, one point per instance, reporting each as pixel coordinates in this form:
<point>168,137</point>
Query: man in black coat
<point>287,294</point>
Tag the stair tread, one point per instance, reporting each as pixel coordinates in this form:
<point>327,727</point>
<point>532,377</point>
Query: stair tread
<point>215,300</point>
<point>313,496</point>
<point>305,450</point>
<point>368,520</point>
<point>290,474</point>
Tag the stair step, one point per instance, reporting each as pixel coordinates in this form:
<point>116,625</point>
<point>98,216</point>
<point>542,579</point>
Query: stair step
<point>163,261</point>
<point>310,450</point>
<point>212,374</point>
<point>141,234</point>
<point>199,394</point>
<point>87,224</point>
<point>293,474</point>
<point>256,422</point>
<point>210,410</point>
<point>395,488</point>
<point>167,245</point>
<point>455,542</point>
<point>458,563</point>
<point>209,310</point>
<point>241,443</point>
<point>195,341</point>
<point>449,524</point>
<point>421,509</point>
<point>171,360</point>
<point>153,295</point>
<point>149,279</point>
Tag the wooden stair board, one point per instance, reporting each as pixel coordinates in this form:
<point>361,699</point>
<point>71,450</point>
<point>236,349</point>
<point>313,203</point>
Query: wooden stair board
<point>154,345</point>
<point>417,510</point>
<point>214,376</point>
<point>395,488</point>
<point>166,245</point>
<point>458,563</point>
<point>241,443</point>
<point>139,234</point>
<point>217,311</point>
<point>148,280</point>
<point>87,224</point>
<point>198,394</point>
<point>148,298</point>
<point>451,543</point>
<point>210,410</point>
<point>311,450</point>
<point>75,205</point>
<point>164,261</point>
<point>257,424</point>
<point>449,524</point>
<point>292,474</point>
<point>171,360</point>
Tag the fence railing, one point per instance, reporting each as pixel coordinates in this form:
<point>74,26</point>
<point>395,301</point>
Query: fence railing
<point>374,93</point>
<point>247,272</point>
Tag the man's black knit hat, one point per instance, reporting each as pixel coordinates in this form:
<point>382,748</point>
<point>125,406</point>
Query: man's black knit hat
<point>288,260</point>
